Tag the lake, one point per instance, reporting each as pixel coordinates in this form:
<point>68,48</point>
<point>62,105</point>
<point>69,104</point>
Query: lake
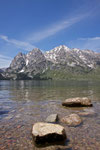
<point>22,103</point>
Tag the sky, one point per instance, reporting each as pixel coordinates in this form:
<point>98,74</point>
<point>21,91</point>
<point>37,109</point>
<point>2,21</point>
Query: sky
<point>45,24</point>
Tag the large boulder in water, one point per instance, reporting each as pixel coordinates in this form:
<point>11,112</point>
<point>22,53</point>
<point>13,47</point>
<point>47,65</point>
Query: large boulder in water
<point>47,133</point>
<point>72,120</point>
<point>77,102</point>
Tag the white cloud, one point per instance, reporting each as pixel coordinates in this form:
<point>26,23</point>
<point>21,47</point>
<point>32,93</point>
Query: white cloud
<point>5,61</point>
<point>55,28</point>
<point>20,44</point>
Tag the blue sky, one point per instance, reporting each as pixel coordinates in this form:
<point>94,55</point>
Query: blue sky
<point>25,24</point>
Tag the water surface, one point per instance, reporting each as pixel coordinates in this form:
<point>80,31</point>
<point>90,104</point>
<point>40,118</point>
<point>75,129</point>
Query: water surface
<point>22,103</point>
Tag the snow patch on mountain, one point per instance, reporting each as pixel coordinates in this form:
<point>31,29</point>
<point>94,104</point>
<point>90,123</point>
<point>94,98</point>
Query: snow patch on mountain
<point>61,57</point>
<point>21,70</point>
<point>27,61</point>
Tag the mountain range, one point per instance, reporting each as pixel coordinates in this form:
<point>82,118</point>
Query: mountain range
<point>58,63</point>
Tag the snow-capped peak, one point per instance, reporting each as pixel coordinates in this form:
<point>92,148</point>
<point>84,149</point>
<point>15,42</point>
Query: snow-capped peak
<point>65,48</point>
<point>76,49</point>
<point>59,48</point>
<point>53,54</point>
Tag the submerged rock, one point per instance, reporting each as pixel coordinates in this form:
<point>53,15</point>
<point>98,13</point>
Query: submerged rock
<point>87,113</point>
<point>72,120</point>
<point>52,118</point>
<point>77,102</point>
<point>47,133</point>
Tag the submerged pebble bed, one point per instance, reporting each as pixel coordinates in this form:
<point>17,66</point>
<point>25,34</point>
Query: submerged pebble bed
<point>18,112</point>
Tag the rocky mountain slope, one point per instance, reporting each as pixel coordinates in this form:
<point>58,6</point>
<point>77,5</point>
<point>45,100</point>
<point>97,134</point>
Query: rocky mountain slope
<point>1,70</point>
<point>39,65</point>
<point>73,57</point>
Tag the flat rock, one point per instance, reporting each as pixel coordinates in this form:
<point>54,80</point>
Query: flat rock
<point>52,118</point>
<point>48,133</point>
<point>72,120</point>
<point>77,102</point>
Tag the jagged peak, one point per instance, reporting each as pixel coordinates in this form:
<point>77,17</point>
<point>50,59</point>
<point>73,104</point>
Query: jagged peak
<point>20,54</point>
<point>88,51</point>
<point>36,49</point>
<point>61,47</point>
<point>76,50</point>
<point>58,48</point>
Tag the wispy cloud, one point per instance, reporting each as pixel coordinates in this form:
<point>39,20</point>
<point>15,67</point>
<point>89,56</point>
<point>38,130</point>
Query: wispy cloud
<point>47,32</point>
<point>89,8</point>
<point>5,61</point>
<point>87,43</point>
<point>92,43</point>
<point>90,39</point>
<point>55,28</point>
<point>20,44</point>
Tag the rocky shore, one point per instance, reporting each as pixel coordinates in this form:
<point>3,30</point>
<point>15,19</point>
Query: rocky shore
<point>50,132</point>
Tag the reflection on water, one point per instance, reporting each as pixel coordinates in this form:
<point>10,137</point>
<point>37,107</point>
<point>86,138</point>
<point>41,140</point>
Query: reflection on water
<point>23,103</point>
<point>49,90</point>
